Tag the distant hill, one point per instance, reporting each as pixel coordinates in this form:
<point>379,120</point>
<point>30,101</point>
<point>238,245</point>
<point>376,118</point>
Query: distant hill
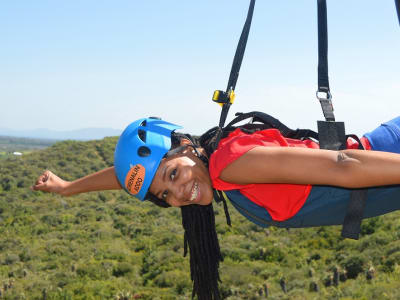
<point>84,134</point>
<point>11,144</point>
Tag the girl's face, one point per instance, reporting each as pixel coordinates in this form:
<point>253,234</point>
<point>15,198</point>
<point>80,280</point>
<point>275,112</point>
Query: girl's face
<point>182,179</point>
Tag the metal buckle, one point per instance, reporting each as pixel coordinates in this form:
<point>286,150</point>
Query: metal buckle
<point>328,95</point>
<point>326,103</point>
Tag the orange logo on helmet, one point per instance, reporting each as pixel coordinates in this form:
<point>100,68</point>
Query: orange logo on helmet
<point>135,178</point>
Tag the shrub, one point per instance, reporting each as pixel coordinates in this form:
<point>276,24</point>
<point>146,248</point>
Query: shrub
<point>354,265</point>
<point>22,183</point>
<point>369,226</point>
<point>93,271</point>
<point>269,254</point>
<point>315,256</point>
<point>121,269</point>
<point>62,279</point>
<point>390,262</point>
<point>51,220</point>
<point>123,210</point>
<point>11,258</point>
<point>7,183</point>
<point>235,254</point>
<point>25,255</point>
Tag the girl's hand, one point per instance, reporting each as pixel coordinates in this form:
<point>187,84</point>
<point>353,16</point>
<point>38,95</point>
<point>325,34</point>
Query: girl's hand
<point>49,182</point>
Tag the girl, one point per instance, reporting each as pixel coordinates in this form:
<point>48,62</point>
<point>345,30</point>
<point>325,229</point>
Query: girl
<point>270,179</point>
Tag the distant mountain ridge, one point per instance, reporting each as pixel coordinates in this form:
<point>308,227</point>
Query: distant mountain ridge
<point>83,134</point>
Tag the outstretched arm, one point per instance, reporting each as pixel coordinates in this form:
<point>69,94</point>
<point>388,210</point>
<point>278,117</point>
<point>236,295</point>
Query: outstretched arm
<point>347,168</point>
<point>101,180</point>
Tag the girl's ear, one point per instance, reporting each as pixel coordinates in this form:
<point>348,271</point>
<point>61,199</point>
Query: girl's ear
<point>185,142</point>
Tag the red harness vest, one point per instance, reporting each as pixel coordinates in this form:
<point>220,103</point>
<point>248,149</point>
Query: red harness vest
<point>282,201</point>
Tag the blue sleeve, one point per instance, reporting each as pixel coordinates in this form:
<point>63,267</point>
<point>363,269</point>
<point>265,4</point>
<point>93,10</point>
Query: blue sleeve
<point>386,137</point>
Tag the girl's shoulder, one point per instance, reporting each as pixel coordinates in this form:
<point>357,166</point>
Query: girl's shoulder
<point>238,143</point>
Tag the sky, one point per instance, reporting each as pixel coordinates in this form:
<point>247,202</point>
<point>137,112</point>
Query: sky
<point>74,64</point>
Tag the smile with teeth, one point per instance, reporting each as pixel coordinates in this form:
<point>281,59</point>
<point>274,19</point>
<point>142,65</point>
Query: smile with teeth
<point>195,191</point>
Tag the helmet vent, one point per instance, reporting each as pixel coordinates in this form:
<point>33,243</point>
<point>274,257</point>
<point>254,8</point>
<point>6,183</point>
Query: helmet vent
<point>144,151</point>
<point>142,135</point>
<point>143,123</point>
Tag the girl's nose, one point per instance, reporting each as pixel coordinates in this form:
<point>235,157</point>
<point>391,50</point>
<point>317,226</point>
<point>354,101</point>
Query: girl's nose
<point>179,186</point>
<point>178,190</point>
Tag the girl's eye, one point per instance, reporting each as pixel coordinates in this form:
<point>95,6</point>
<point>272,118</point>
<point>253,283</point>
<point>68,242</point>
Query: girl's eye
<point>172,175</point>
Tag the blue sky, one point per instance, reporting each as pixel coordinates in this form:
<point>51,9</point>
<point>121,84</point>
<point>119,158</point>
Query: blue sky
<point>75,64</point>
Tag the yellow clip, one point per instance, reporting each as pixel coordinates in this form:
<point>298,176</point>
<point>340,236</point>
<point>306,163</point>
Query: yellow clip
<point>231,96</point>
<point>216,95</point>
<point>219,96</point>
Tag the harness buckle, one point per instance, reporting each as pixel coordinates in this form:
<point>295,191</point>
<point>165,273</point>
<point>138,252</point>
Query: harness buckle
<point>326,91</point>
<point>326,103</point>
<point>222,97</point>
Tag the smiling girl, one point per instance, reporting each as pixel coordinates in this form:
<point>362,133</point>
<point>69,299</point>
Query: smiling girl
<point>270,179</point>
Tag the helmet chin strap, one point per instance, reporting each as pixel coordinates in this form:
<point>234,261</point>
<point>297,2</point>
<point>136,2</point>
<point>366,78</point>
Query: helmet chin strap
<point>175,151</point>
<point>195,151</point>
<point>201,156</point>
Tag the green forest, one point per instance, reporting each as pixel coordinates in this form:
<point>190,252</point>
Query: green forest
<point>108,245</point>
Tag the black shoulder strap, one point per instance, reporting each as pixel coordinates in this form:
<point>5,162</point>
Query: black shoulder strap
<point>237,62</point>
<point>257,116</point>
<point>271,122</point>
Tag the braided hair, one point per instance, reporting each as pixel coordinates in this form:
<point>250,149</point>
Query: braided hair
<point>198,221</point>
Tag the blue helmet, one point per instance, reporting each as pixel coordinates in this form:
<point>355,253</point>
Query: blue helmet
<point>138,153</point>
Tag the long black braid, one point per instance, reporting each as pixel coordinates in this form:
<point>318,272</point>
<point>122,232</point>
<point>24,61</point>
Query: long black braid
<point>201,238</point>
<point>200,235</point>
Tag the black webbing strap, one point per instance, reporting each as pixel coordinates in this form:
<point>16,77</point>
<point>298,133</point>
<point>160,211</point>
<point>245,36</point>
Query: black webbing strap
<point>237,62</point>
<point>354,214</point>
<point>332,134</point>
<point>323,79</point>
<point>271,122</point>
<point>355,208</point>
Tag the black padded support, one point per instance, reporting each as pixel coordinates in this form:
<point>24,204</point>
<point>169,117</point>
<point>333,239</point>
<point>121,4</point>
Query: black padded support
<point>331,135</point>
<point>354,214</point>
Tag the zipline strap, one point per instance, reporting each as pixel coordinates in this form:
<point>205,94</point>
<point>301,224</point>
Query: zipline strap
<point>332,134</point>
<point>226,98</point>
<point>397,2</point>
<point>237,60</point>
<point>323,79</point>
